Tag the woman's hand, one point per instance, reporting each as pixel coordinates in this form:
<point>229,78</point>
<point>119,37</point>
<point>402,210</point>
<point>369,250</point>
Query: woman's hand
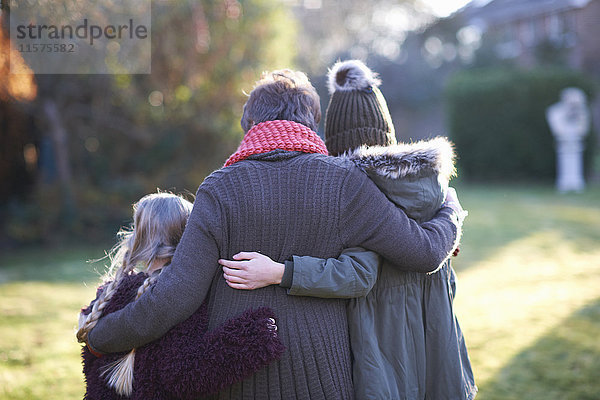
<point>251,270</point>
<point>453,203</point>
<point>452,198</point>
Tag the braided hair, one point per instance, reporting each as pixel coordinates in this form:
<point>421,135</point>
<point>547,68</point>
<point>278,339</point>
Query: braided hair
<point>159,220</point>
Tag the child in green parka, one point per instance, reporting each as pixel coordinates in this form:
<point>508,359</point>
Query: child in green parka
<point>405,338</point>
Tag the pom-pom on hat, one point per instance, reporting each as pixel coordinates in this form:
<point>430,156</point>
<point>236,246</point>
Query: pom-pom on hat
<point>357,114</point>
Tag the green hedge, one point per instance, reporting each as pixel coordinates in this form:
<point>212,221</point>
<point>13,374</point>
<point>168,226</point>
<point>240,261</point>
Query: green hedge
<point>497,121</point>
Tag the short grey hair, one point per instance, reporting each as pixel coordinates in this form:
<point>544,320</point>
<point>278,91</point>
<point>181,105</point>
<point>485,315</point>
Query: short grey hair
<point>282,95</point>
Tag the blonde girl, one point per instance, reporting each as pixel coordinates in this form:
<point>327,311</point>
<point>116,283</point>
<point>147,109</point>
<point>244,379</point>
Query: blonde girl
<point>202,363</point>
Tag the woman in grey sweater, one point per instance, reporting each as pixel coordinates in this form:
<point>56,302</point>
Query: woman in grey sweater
<point>280,194</point>
<point>405,339</point>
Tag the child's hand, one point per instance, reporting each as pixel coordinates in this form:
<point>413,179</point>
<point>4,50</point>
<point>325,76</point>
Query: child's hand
<point>251,270</point>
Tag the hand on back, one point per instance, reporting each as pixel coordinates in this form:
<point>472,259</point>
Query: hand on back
<point>251,270</point>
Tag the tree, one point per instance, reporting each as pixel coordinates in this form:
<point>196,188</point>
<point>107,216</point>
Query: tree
<point>117,137</point>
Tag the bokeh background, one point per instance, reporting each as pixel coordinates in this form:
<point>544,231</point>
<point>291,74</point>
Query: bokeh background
<point>77,150</point>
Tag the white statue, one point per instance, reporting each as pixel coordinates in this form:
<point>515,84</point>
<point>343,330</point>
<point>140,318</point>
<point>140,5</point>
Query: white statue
<point>569,120</point>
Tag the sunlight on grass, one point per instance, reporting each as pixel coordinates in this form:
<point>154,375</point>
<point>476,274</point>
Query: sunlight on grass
<point>510,300</point>
<point>562,365</point>
<point>38,351</point>
<point>537,263</point>
<point>39,356</point>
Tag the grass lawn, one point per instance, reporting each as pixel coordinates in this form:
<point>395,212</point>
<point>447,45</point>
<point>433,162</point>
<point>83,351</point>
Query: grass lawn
<point>528,296</point>
<point>41,292</point>
<point>528,301</point>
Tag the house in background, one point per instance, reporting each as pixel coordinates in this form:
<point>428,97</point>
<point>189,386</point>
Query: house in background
<point>535,32</point>
<point>526,33</point>
<point>523,29</point>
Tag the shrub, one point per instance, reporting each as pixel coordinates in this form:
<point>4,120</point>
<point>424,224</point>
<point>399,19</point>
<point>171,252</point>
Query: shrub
<point>497,120</point>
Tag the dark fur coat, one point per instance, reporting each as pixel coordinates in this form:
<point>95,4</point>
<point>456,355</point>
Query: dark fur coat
<point>187,362</point>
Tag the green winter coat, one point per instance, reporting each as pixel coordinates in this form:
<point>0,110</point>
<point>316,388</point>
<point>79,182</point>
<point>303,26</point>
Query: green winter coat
<point>406,342</point>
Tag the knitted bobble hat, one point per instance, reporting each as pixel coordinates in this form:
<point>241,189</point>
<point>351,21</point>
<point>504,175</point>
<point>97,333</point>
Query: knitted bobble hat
<point>357,113</point>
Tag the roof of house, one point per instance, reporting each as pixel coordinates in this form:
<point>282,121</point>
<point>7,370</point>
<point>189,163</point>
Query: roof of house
<point>500,11</point>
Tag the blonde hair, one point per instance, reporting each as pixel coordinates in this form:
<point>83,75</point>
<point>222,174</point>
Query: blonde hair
<point>159,220</point>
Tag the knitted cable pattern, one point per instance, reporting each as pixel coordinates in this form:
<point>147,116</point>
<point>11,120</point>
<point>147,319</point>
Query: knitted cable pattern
<point>277,135</point>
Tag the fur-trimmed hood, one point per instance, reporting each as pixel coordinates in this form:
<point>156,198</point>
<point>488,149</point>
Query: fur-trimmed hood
<point>407,159</point>
<point>414,176</point>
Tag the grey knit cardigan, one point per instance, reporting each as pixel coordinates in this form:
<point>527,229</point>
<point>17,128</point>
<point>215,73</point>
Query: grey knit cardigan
<point>281,204</point>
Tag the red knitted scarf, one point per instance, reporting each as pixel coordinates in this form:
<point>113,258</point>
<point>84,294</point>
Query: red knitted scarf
<point>278,135</point>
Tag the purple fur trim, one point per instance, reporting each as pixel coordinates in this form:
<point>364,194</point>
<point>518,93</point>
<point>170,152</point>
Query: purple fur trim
<point>188,362</point>
<point>234,351</point>
<point>96,388</point>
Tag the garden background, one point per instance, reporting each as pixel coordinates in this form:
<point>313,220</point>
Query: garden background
<point>77,150</point>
